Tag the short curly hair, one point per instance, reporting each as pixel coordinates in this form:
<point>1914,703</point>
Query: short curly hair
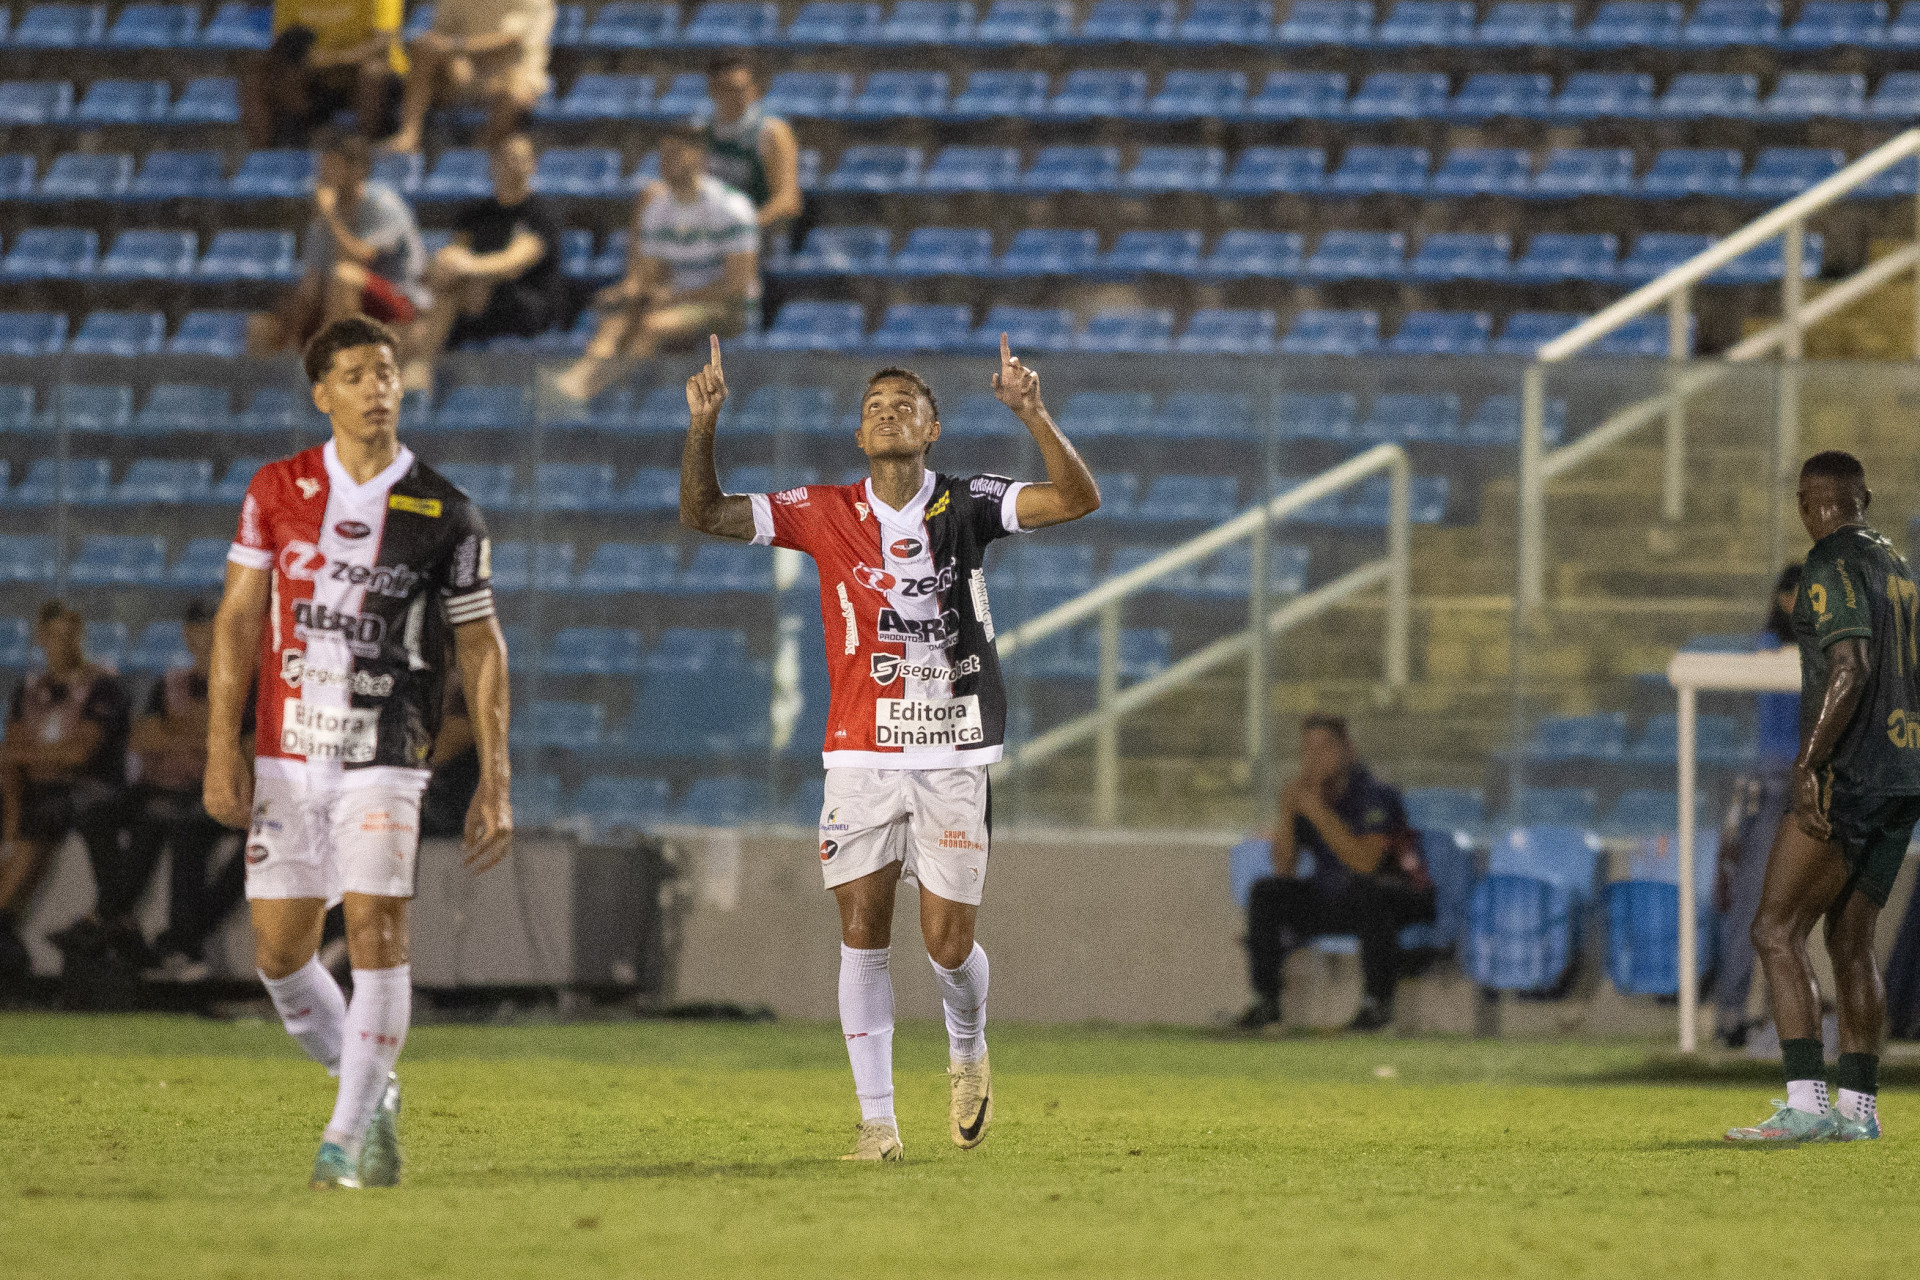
<point>342,335</point>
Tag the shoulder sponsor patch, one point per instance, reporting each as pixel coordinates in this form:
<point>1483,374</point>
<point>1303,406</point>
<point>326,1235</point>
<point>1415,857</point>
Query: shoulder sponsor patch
<point>792,497</point>
<point>988,486</point>
<point>428,507</point>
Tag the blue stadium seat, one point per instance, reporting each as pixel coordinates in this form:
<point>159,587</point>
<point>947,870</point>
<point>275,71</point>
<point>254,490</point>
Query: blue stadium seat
<point>1555,256</point>
<point>1461,255</point>
<point>86,482</point>
<point>1767,263</point>
<point>626,24</point>
<point>178,175</point>
<point>1298,95</point>
<point>1426,23</point>
<point>1620,24</point>
<point>594,651</point>
<point>32,333</point>
<point>1399,95</point>
<point>994,94</point>
<point>1838,24</point>
<point>1059,169</point>
<point>1170,499</point>
<point>1681,171</point>
<point>1367,170</point>
<point>1094,414</point>
<point>489,484</point>
<point>773,409</point>
<point>513,565</point>
<point>1492,95</point>
<point>694,650</point>
<point>1075,655</point>
<point>1315,415</point>
<point>1228,332</point>
<point>1040,251</point>
<point>1902,179</point>
<point>60,26</point>
<point>1809,95</point>
<point>154,26</point>
<point>1563,854</point>
<point>1497,422</point>
<point>1717,24</point>
<point>968,168</point>
<point>1024,22</point>
<point>1127,22</point>
<point>1208,415</point>
<point>210,333</point>
<point>26,557</point>
<point>561,171</point>
<point>928,22</point>
<point>1575,172</point>
<point>1643,336</point>
<point>1553,807</point>
<point>1651,811</point>
<point>236,25</point>
<point>939,251</point>
<point>1228,22</point>
<point>275,175</point>
<point>851,251</point>
<point>1484,171</point>
<point>162,647</point>
<point>35,103</point>
<point>74,176</point>
<point>1520,934</point>
<point>1657,252</point>
<point>1137,253</point>
<point>651,489</point>
<point>16,408</point>
<point>1414,417</point>
<point>1597,95</point>
<point>462,173</point>
<point>716,568</point>
<point>202,563</point>
<point>1332,333</point>
<point>915,326</point>
<point>1358,255</point>
<point>248,255</point>
<point>150,255</point>
<point>729,23</point>
<point>1041,578</point>
<point>1229,575</point>
<point>1027,329</point>
<point>233,484</point>
<point>572,486</point>
<point>1710,95</point>
<point>1326,22</point>
<point>1526,24</point>
<point>618,567</point>
<point>207,100</point>
<point>808,94</point>
<point>17,176</point>
<point>1719,740</point>
<point>877,170</point>
<point>910,94</point>
<point>175,406</point>
<point>1441,333</point>
<point>1180,582</point>
<point>1261,171</point>
<point>1240,255</point>
<point>51,253</point>
<point>120,333</point>
<point>89,407</point>
<point>1127,330</point>
<point>599,96</point>
<point>609,806</point>
<point>1446,808</point>
<point>1198,95</point>
<point>1643,938</point>
<point>1896,96</point>
<point>1563,739</point>
<point>684,98</point>
<point>561,725</point>
<point>157,481</point>
<point>831,22</point>
<point>1781,173</point>
<point>812,326</point>
<point>1175,169</point>
<point>123,102</point>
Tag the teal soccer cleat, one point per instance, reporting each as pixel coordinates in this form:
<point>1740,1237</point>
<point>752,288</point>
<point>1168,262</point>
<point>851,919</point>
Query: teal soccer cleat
<point>380,1154</point>
<point>1856,1130</point>
<point>1789,1125</point>
<point>331,1169</point>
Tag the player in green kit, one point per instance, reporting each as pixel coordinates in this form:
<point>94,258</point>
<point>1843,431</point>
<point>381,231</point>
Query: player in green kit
<point>1855,800</point>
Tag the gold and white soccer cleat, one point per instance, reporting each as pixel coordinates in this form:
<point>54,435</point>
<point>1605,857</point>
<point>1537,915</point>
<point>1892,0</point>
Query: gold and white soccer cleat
<point>972,1108</point>
<point>878,1140</point>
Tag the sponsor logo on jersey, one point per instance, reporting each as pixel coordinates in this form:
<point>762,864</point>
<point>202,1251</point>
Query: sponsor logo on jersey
<point>307,485</point>
<point>852,643</point>
<point>912,588</point>
<point>889,667</point>
<point>939,506</point>
<point>362,631</point>
<point>893,628</point>
<point>396,581</point>
<point>353,530</point>
<point>344,734</point>
<point>904,548</point>
<point>863,509</point>
<point>466,561</point>
<point>988,486</point>
<point>428,507</point>
<point>960,840</point>
<point>982,609</point>
<point>873,579</point>
<point>913,723</point>
<point>1902,730</point>
<point>256,854</point>
<point>301,561</point>
<point>295,672</point>
<point>827,849</point>
<point>792,497</point>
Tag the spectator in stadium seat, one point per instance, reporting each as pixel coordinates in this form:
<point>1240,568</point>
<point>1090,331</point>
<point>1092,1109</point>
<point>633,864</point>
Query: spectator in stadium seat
<point>1368,874</point>
<point>63,768</point>
<point>363,255</point>
<point>694,268</point>
<point>749,150</point>
<point>326,56</point>
<point>501,275</point>
<point>493,50</point>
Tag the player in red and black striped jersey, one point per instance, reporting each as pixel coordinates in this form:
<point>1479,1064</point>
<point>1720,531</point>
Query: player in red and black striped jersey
<point>355,570</point>
<point>918,708</point>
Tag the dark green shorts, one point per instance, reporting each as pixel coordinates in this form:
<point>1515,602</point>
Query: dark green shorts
<point>1873,833</point>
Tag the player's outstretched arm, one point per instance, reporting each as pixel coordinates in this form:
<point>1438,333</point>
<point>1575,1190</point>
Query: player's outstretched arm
<point>481,650</point>
<point>1845,688</point>
<point>702,505</point>
<point>227,788</point>
<point>1069,491</point>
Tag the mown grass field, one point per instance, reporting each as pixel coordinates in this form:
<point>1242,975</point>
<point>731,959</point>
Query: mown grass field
<point>161,1147</point>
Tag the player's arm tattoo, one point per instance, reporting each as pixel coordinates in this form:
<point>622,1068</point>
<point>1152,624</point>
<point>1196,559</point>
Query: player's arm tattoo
<point>702,505</point>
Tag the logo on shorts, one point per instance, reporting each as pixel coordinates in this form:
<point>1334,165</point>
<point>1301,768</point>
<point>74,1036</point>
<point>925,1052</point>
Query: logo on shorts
<point>832,822</point>
<point>256,854</point>
<point>353,530</point>
<point>873,579</point>
<point>960,840</point>
<point>382,822</point>
<point>904,548</point>
<point>827,849</point>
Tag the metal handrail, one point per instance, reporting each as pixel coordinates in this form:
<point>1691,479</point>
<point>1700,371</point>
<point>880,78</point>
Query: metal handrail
<point>1104,601</point>
<point>1674,290</point>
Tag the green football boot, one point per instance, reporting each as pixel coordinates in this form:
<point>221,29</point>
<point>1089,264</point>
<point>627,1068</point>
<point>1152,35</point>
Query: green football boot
<point>1849,1130</point>
<point>380,1153</point>
<point>1787,1124</point>
<point>331,1169</point>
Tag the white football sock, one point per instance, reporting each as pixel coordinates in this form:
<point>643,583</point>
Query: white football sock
<point>376,1029</point>
<point>963,993</point>
<point>313,1009</point>
<point>866,1018</point>
<point>1857,1106</point>
<point>1808,1095</point>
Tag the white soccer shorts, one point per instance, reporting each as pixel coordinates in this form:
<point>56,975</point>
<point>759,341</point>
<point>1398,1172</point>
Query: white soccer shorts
<point>937,821</point>
<point>322,844</point>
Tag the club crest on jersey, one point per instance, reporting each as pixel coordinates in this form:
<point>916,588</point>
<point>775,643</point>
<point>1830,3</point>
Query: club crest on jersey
<point>904,548</point>
<point>863,509</point>
<point>873,579</point>
<point>307,485</point>
<point>301,561</point>
<point>353,530</point>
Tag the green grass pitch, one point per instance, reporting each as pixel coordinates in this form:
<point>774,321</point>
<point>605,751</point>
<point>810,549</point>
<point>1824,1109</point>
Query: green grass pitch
<point>158,1147</point>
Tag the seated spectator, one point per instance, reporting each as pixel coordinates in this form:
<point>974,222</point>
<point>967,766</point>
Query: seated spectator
<point>694,270</point>
<point>363,255</point>
<point>754,153</point>
<point>1368,875</point>
<point>63,768</point>
<point>164,811</point>
<point>501,275</point>
<point>327,56</point>
<point>493,50</point>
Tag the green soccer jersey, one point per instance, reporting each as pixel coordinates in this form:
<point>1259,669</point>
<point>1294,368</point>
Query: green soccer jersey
<point>1855,585</point>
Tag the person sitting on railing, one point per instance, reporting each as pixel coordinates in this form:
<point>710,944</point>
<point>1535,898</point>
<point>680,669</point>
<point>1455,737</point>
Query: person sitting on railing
<point>1368,875</point>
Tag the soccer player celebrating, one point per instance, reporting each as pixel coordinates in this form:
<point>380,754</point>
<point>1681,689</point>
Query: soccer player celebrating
<point>356,567</point>
<point>918,711</point>
<point>1855,796</point>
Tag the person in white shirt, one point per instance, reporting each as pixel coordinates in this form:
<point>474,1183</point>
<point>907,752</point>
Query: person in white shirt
<point>694,269</point>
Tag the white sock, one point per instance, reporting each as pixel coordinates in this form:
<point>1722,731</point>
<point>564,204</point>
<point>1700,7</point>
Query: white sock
<point>1857,1106</point>
<point>313,1009</point>
<point>1808,1095</point>
<point>963,993</point>
<point>376,1028</point>
<point>866,1018</point>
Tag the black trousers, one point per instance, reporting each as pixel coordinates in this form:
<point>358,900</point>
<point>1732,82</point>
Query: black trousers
<point>156,820</point>
<point>1284,913</point>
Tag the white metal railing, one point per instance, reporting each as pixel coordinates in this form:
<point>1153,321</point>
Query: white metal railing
<point>1674,290</point>
<point>1103,722</point>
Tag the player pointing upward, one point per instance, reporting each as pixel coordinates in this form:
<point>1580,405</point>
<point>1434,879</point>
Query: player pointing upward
<point>918,710</point>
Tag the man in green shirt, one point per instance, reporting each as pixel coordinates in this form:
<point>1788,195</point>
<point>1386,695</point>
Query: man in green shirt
<point>1855,796</point>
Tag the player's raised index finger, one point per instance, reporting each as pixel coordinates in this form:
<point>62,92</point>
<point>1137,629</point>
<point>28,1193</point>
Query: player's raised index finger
<point>1005,352</point>
<point>713,344</point>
